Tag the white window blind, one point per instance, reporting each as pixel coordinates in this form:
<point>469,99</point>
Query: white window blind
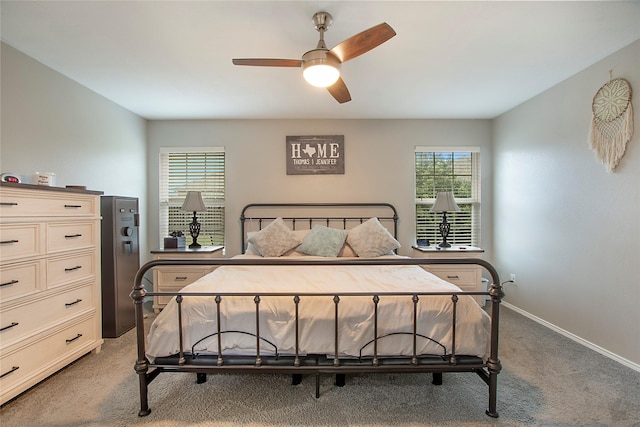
<point>448,169</point>
<point>193,169</point>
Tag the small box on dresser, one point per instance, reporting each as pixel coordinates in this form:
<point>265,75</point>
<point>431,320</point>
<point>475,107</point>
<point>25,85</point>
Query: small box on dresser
<point>467,277</point>
<point>50,311</point>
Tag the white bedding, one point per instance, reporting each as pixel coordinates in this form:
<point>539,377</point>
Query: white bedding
<point>277,314</point>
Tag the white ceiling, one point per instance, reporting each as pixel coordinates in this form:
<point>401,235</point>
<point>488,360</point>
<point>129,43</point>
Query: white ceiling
<point>450,59</point>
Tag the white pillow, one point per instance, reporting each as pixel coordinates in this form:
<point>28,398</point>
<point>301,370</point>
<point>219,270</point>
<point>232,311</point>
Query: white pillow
<point>252,250</point>
<point>275,239</point>
<point>370,239</point>
<point>323,241</point>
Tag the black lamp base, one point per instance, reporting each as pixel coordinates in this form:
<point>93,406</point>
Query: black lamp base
<point>194,230</point>
<point>444,228</point>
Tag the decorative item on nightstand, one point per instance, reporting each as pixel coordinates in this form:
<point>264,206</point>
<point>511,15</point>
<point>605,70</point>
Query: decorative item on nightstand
<point>444,203</point>
<point>422,243</point>
<point>175,241</point>
<point>194,203</point>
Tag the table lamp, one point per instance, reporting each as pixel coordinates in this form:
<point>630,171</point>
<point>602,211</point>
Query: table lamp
<point>194,203</point>
<point>444,203</point>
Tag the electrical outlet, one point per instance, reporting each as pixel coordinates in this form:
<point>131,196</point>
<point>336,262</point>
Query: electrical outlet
<point>513,278</point>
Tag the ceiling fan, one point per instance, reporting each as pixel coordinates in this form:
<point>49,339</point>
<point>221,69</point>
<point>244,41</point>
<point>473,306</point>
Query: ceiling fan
<point>321,66</point>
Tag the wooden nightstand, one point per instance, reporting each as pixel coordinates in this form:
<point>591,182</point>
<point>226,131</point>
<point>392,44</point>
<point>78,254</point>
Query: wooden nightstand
<point>466,277</point>
<point>172,279</point>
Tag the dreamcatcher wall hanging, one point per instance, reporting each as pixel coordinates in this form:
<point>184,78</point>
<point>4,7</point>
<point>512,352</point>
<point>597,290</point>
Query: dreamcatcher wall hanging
<point>612,122</point>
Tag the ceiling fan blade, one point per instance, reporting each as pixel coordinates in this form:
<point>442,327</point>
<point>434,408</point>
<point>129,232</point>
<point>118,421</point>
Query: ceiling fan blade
<point>339,91</point>
<point>363,42</point>
<point>266,62</point>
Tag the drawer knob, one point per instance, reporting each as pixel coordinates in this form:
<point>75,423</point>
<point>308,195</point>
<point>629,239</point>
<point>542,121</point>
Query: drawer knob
<point>12,325</point>
<point>72,206</point>
<point>9,242</point>
<point>453,277</point>
<point>180,278</point>
<point>77,267</point>
<point>70,236</point>
<point>13,369</point>
<point>8,204</point>
<point>11,282</point>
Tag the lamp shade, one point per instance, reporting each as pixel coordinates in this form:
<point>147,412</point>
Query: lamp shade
<point>193,202</point>
<point>445,203</point>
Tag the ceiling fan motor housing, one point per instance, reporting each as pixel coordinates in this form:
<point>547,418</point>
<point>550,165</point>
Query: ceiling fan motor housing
<point>321,20</point>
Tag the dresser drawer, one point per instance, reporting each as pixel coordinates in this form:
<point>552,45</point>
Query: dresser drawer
<point>459,276</point>
<point>70,236</point>
<point>19,241</point>
<point>468,278</point>
<point>45,203</point>
<point>173,280</point>
<point>21,279</point>
<point>179,278</point>
<point>66,269</point>
<point>22,368</point>
<point>24,320</point>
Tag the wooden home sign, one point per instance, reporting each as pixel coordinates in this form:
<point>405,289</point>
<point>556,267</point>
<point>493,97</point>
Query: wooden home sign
<point>311,155</point>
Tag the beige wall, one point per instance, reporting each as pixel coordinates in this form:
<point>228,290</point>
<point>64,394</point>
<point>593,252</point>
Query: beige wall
<point>569,230</point>
<point>379,164</point>
<point>52,124</point>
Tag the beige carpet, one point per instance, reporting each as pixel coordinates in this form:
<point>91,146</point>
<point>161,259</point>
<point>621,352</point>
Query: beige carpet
<point>564,385</point>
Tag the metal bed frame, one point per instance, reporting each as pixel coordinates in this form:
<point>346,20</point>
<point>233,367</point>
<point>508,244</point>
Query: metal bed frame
<point>317,364</point>
<point>390,215</point>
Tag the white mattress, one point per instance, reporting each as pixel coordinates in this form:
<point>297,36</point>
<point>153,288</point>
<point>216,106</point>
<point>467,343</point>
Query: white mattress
<point>277,314</point>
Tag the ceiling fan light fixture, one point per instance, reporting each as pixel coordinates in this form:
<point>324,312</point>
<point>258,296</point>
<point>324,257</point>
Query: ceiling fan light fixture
<point>321,75</point>
<point>320,68</point>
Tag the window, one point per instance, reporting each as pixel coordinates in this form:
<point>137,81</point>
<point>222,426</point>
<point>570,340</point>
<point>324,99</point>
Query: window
<point>192,169</point>
<point>448,169</point>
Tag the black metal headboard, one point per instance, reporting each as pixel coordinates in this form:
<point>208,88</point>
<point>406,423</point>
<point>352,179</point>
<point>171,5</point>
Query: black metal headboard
<point>304,216</point>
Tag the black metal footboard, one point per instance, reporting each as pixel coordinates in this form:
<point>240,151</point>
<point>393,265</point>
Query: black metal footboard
<point>332,362</point>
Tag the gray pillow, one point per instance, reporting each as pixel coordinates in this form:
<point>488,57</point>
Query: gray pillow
<point>323,241</point>
<point>275,239</point>
<point>370,239</point>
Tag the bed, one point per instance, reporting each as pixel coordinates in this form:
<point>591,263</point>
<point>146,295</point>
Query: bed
<point>319,290</point>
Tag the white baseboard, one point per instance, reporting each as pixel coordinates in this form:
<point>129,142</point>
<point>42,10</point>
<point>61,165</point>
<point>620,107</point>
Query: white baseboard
<point>592,346</point>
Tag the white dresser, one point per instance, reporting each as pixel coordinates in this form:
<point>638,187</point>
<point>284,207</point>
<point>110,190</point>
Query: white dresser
<point>49,282</point>
<point>467,277</point>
